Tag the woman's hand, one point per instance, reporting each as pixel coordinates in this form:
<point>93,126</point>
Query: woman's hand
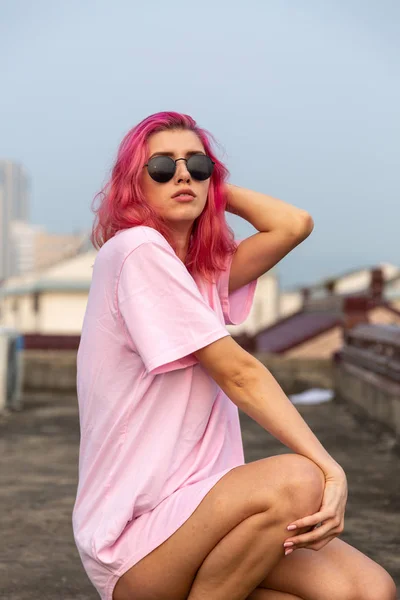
<point>330,516</point>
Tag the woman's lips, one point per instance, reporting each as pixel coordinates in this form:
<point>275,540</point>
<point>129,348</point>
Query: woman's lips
<point>184,198</point>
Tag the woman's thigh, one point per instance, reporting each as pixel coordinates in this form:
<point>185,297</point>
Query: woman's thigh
<point>335,572</point>
<point>169,571</point>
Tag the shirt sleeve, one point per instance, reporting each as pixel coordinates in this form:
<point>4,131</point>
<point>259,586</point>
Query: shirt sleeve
<point>237,305</point>
<point>165,315</point>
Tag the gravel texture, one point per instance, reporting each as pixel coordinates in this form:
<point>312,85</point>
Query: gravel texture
<point>38,476</point>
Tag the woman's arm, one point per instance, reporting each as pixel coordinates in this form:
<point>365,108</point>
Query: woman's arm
<point>281,228</point>
<point>260,396</point>
<point>266,213</point>
<point>249,384</point>
<point>257,393</point>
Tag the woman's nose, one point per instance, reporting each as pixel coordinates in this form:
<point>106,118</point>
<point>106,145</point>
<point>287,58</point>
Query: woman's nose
<point>181,173</point>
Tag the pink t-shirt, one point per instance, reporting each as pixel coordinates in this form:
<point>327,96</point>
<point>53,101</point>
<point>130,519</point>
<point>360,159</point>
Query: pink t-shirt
<point>156,430</point>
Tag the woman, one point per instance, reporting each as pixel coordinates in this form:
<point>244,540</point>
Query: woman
<point>166,507</point>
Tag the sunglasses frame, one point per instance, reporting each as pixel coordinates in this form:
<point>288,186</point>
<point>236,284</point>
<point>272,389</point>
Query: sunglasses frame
<point>175,161</point>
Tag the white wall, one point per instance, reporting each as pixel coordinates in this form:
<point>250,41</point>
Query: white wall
<point>62,313</point>
<point>59,313</point>
<point>289,303</point>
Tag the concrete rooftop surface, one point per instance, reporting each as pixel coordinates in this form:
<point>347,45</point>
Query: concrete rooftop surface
<point>38,478</point>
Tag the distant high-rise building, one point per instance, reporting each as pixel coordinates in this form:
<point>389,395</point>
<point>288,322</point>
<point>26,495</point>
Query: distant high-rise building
<point>34,249</point>
<point>14,181</point>
<point>14,205</point>
<point>23,238</point>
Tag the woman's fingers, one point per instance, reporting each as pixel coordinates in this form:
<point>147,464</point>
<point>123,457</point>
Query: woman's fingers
<point>313,536</point>
<point>324,525</point>
<point>316,539</point>
<point>309,521</point>
<point>326,522</point>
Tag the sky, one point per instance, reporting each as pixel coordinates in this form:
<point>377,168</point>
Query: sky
<point>303,98</point>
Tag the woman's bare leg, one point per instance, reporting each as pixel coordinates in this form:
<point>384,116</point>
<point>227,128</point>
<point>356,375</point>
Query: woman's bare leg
<point>240,561</point>
<point>338,571</point>
<point>276,491</point>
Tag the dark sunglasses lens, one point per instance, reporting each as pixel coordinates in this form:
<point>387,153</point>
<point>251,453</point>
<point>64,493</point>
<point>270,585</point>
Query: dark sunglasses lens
<point>200,166</point>
<point>161,168</point>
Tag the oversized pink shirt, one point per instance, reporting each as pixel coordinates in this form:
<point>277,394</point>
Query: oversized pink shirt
<point>156,430</point>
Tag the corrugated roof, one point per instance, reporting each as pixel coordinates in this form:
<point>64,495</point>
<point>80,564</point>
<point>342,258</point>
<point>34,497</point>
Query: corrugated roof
<point>304,325</point>
<point>294,330</point>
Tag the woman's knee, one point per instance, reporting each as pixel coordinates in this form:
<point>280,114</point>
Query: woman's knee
<point>302,487</point>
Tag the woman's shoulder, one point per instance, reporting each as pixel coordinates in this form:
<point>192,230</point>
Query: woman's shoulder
<point>134,236</point>
<point>126,241</point>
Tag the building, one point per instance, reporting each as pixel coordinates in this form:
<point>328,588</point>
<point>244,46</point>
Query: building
<point>14,182</point>
<point>13,206</point>
<point>33,248</point>
<point>51,301</point>
<point>22,238</point>
<point>316,330</point>
<point>392,292</point>
<point>353,281</point>
<point>265,307</point>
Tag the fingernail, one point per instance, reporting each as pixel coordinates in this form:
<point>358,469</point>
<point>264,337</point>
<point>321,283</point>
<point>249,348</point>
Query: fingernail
<point>291,527</point>
<point>288,544</point>
<point>288,551</point>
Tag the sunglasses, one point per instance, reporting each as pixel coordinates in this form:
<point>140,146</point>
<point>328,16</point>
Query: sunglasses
<point>162,168</point>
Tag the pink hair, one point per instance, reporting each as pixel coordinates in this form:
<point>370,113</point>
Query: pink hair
<point>123,204</point>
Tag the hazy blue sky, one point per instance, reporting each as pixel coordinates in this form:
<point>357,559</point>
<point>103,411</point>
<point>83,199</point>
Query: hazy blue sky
<point>304,97</point>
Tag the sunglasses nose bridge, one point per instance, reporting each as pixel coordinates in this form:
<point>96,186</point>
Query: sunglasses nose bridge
<point>181,169</point>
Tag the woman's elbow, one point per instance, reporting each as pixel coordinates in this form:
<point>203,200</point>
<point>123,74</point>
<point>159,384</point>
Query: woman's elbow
<point>305,224</point>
